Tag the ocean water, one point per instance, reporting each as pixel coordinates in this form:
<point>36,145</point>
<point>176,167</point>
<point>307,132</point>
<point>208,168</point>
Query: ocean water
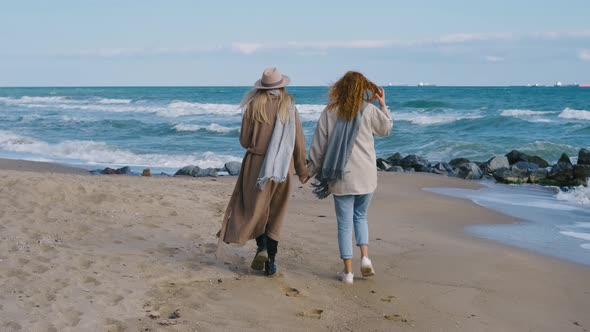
<point>169,127</point>
<point>165,128</point>
<point>554,222</point>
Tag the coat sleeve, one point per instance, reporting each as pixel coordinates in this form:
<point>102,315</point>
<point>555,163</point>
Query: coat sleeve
<point>318,144</point>
<point>381,121</point>
<point>299,151</point>
<point>247,128</point>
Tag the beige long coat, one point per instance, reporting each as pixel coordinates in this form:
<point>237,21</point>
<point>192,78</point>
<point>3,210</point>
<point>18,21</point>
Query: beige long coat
<point>251,212</point>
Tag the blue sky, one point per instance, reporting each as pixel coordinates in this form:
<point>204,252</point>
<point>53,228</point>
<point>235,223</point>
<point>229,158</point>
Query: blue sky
<point>108,42</point>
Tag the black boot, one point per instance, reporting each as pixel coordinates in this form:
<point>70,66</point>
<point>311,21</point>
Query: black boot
<point>270,267</point>
<point>259,261</point>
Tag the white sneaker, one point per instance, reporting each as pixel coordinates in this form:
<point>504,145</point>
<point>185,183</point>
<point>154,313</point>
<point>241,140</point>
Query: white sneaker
<point>366,267</point>
<point>347,278</point>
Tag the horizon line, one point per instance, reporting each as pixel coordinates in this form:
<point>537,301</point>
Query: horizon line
<point>293,86</point>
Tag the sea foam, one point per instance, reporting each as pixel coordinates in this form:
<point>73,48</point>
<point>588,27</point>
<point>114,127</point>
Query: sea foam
<point>573,114</point>
<point>93,153</point>
<point>521,113</point>
<point>213,127</point>
<point>422,119</point>
<point>579,195</point>
<point>113,101</point>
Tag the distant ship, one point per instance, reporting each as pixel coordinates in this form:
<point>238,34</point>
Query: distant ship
<point>559,84</point>
<point>425,84</point>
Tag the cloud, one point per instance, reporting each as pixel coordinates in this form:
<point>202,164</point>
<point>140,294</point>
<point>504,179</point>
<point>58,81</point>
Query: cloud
<point>458,38</point>
<point>133,52</point>
<point>246,48</point>
<point>584,55</point>
<point>493,58</point>
<point>492,40</point>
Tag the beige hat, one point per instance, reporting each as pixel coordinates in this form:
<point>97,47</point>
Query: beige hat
<point>272,79</point>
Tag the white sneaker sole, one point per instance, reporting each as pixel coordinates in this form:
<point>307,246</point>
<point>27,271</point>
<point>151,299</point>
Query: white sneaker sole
<point>367,271</point>
<point>343,279</point>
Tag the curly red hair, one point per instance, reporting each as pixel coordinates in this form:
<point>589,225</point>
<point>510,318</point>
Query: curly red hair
<point>347,95</point>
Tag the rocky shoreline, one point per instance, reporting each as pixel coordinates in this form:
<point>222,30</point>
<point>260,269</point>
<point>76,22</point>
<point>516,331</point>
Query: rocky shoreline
<point>513,168</point>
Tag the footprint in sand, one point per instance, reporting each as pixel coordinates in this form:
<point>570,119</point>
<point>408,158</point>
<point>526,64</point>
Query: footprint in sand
<point>395,318</point>
<point>91,280</point>
<point>292,292</point>
<point>39,269</point>
<point>12,326</point>
<point>113,325</point>
<point>72,317</point>
<point>388,298</point>
<point>85,263</point>
<point>115,299</point>
<point>312,313</point>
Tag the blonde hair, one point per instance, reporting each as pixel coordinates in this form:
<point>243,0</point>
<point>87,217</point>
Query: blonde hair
<point>347,95</point>
<point>255,101</point>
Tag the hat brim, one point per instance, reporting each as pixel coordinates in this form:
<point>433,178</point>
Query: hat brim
<point>283,83</point>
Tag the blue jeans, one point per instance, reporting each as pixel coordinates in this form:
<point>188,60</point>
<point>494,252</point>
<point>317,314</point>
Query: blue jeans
<point>352,210</point>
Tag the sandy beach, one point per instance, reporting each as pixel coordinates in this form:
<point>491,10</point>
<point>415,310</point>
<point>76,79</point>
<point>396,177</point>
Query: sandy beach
<point>122,253</point>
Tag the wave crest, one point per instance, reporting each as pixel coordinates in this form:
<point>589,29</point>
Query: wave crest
<point>524,112</point>
<point>97,153</point>
<point>579,195</point>
<point>113,101</point>
<point>213,127</point>
<point>422,119</point>
<point>573,114</point>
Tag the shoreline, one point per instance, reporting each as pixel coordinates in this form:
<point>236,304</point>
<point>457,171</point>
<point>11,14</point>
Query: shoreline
<point>81,252</point>
<point>40,167</point>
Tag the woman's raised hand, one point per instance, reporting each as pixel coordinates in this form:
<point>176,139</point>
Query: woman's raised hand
<point>381,97</point>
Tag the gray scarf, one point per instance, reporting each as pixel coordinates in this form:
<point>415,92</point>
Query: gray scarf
<point>277,160</point>
<point>337,154</point>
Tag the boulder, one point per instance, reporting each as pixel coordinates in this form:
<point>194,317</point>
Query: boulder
<point>382,165</point>
<point>112,171</point>
<point>564,159</point>
<point>395,169</point>
<point>187,171</point>
<point>584,157</point>
<point>409,170</point>
<point>109,171</point>
<point>537,175</point>
<point>417,163</point>
<point>438,171</point>
<point>525,165</point>
<point>515,156</point>
<point>469,171</point>
<point>562,172</point>
<point>458,161</point>
<point>497,162</point>
<point>511,175</point>
<point>124,170</point>
<point>395,159</point>
<point>233,167</point>
<point>582,172</point>
<point>205,172</point>
<point>444,168</point>
<point>539,161</point>
<point>146,172</point>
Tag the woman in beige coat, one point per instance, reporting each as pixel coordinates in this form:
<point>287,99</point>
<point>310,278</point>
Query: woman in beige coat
<point>273,138</point>
<point>342,155</point>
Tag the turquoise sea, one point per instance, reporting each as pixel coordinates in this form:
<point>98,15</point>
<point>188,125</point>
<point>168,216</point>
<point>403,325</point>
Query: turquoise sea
<point>165,128</point>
